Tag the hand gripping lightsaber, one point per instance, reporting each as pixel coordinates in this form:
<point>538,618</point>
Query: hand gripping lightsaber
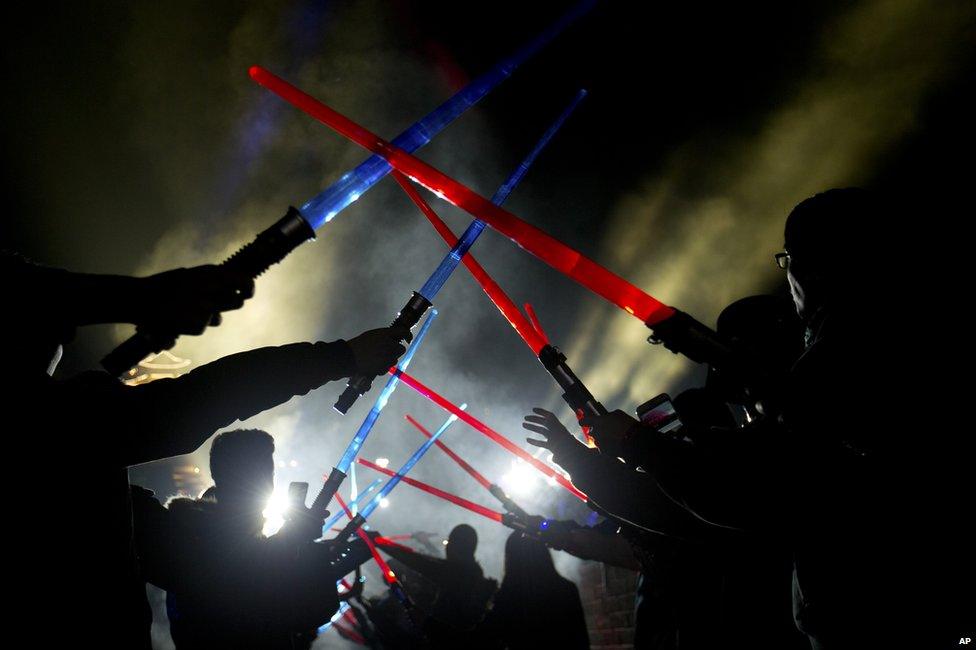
<point>299,225</point>
<point>338,473</point>
<point>353,505</point>
<point>575,392</point>
<point>683,334</point>
<point>421,300</point>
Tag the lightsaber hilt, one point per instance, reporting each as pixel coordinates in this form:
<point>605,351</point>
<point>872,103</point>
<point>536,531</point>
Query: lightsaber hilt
<point>321,504</point>
<point>506,501</point>
<point>408,318</point>
<point>351,527</point>
<point>683,334</point>
<point>575,392</point>
<point>254,258</point>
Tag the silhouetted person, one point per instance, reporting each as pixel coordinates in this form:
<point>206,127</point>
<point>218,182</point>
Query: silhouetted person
<point>463,591</point>
<point>86,430</point>
<point>689,595</point>
<point>843,475</point>
<point>535,606</point>
<point>228,586</point>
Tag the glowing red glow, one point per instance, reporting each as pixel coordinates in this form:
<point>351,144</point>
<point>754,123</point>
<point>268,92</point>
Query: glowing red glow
<point>385,569</point>
<point>550,250</point>
<point>536,325</point>
<point>480,426</point>
<point>349,632</point>
<point>437,492</point>
<point>491,288</point>
<point>475,474</point>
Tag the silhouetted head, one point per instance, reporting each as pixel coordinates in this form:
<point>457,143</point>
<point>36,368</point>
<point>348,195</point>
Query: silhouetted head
<point>528,563</point>
<point>767,327</point>
<point>242,466</point>
<point>826,237</point>
<point>461,544</point>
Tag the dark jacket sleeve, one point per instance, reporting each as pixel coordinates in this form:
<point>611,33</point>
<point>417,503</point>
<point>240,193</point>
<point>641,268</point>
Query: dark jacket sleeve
<point>631,496</point>
<point>434,569</point>
<point>175,416</point>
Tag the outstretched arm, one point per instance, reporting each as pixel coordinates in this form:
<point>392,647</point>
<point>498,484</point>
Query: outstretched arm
<point>175,416</point>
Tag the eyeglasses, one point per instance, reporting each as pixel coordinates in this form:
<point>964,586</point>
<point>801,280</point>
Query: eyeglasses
<point>782,260</point>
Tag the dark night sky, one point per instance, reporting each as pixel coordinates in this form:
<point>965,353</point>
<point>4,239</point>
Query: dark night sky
<point>133,141</point>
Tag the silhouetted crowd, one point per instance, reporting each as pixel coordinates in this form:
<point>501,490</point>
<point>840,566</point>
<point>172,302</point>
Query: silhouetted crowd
<point>794,500</point>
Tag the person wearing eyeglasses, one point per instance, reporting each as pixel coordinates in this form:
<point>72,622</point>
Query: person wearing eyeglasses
<point>847,476</point>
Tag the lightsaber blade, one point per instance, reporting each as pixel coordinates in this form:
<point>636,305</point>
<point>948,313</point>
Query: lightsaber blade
<point>575,392</point>
<point>407,466</point>
<point>447,496</point>
<point>421,300</point>
<point>298,226</point>
<point>463,464</point>
<point>532,337</point>
<point>335,617</point>
<point>493,488</point>
<point>388,575</point>
<point>553,252</point>
<point>381,400</point>
<point>323,207</point>
<point>394,584</point>
<point>338,473</point>
<point>480,426</point>
<point>356,522</point>
<point>334,519</point>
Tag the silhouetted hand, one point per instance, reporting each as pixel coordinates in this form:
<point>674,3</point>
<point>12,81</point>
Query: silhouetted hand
<point>558,439</point>
<point>610,431</point>
<point>186,301</point>
<point>374,351</point>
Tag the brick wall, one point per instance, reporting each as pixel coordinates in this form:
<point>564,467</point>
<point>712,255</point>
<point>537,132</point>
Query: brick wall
<point>608,601</point>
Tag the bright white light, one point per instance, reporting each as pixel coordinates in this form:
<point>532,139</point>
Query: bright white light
<point>520,479</point>
<point>551,480</point>
<point>444,542</point>
<point>293,463</point>
<point>274,513</point>
<point>384,503</point>
<point>382,462</point>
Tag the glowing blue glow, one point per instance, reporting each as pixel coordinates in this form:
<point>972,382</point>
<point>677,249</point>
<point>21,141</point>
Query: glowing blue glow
<point>357,440</point>
<point>323,207</point>
<point>334,519</point>
<point>407,466</point>
<point>544,525</point>
<point>475,228</point>
<point>335,617</point>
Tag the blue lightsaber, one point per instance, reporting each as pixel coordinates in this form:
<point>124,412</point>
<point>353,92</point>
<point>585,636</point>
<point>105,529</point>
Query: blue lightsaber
<point>353,505</point>
<point>421,300</point>
<point>368,509</point>
<point>299,226</point>
<point>338,473</point>
<point>335,617</point>
<point>323,207</point>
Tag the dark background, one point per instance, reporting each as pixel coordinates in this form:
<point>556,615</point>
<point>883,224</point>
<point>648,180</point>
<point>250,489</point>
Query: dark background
<point>133,141</point>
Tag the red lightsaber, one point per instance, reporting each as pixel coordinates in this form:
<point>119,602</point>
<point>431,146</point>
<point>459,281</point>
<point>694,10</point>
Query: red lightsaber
<point>532,337</point>
<point>437,492</point>
<point>475,474</point>
<point>385,569</point>
<point>553,252</point>
<point>473,422</point>
<point>349,633</point>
